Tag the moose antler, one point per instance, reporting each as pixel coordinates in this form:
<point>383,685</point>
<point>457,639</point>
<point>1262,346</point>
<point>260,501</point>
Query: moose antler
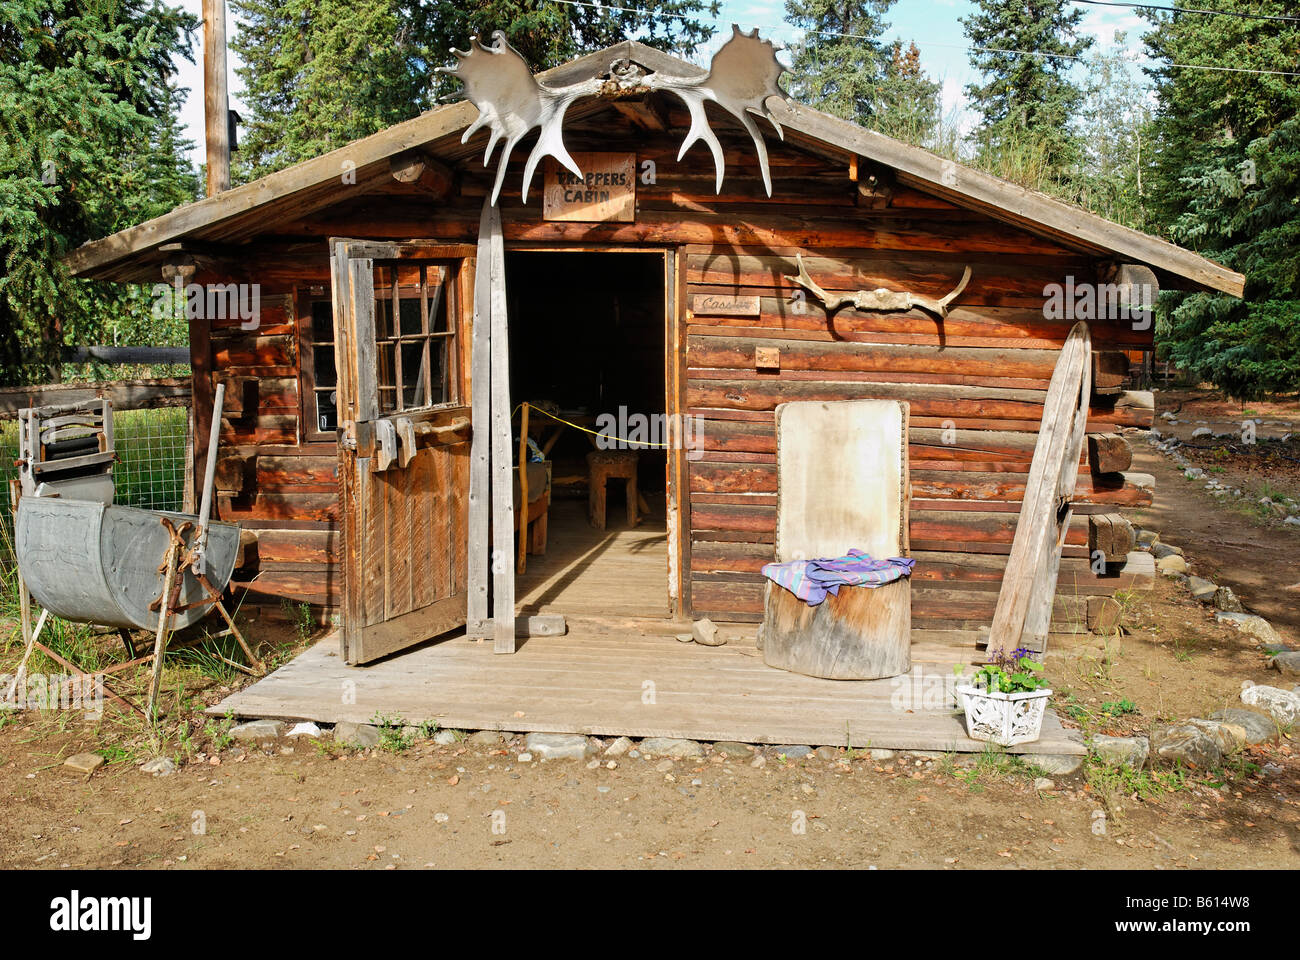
<point>880,299</point>
<point>512,102</point>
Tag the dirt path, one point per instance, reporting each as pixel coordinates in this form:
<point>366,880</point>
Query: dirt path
<point>1259,559</point>
<point>458,807</point>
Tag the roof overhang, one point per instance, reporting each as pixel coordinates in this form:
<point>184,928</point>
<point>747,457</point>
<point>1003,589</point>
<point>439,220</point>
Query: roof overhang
<point>315,184</point>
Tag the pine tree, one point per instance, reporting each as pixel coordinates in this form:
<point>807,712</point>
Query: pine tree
<point>841,63</point>
<point>907,103</point>
<point>318,74</point>
<point>1227,175</point>
<point>1027,102</point>
<point>89,144</point>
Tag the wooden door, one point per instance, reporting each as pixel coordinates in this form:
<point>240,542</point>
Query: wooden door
<point>401,320</point>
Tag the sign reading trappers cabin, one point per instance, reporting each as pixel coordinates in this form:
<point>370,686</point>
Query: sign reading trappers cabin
<point>606,191</point>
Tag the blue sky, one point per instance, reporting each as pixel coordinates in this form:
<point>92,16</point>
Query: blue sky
<point>932,24</point>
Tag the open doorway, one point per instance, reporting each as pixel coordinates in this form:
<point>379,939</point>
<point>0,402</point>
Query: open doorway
<point>587,353</point>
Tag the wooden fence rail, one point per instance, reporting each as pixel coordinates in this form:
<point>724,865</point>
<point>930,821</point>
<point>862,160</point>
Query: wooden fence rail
<point>124,394</point>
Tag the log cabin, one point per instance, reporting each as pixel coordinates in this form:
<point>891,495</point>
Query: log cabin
<point>642,294</point>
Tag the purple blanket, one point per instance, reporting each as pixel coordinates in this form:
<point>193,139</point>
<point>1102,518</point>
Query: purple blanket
<point>812,580</point>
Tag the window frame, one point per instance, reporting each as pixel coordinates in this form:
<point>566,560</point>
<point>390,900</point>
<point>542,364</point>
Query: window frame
<point>305,299</point>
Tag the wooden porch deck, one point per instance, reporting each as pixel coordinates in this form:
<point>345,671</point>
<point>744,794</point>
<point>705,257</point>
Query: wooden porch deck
<point>595,680</point>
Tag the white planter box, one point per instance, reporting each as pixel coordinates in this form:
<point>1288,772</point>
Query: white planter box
<point>1003,718</point>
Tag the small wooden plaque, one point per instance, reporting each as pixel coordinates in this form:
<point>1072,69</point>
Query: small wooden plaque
<point>767,358</point>
<point>605,192</point>
<point>715,305</point>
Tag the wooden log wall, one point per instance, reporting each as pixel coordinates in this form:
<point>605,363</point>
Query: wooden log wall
<point>281,490</point>
<point>976,381</point>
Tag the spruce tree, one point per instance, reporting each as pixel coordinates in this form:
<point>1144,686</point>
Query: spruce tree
<point>841,63</point>
<point>318,74</point>
<point>1227,175</point>
<point>1027,102</point>
<point>89,144</point>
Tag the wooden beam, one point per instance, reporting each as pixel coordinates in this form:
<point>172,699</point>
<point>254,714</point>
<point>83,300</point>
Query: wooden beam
<point>415,167</point>
<point>1109,371</point>
<point>216,103</point>
<point>480,444</point>
<point>1111,535</point>
<point>124,394</point>
<point>503,511</point>
<point>1108,453</point>
<point>645,114</point>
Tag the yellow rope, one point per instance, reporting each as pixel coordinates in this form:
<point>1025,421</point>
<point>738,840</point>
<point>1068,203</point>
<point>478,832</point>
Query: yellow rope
<point>594,433</point>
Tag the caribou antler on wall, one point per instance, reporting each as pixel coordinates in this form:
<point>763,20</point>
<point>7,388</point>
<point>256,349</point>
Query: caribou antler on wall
<point>511,101</point>
<point>880,299</point>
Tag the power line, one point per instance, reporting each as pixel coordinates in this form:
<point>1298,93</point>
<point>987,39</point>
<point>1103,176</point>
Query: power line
<point>1216,13</point>
<point>952,46</point>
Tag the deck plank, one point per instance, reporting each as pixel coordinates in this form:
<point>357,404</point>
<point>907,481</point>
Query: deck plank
<point>595,682</point>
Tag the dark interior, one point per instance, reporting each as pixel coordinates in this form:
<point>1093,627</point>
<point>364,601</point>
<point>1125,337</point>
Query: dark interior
<point>587,339</point>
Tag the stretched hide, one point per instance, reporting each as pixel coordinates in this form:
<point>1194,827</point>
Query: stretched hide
<point>842,482</point>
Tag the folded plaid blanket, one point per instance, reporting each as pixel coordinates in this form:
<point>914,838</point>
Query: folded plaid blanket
<point>812,580</point>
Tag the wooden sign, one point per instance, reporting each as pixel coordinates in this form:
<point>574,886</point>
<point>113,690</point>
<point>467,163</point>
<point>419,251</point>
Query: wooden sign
<point>716,305</point>
<point>605,192</point>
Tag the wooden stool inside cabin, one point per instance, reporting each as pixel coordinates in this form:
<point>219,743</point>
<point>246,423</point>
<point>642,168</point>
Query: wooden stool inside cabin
<point>604,465</point>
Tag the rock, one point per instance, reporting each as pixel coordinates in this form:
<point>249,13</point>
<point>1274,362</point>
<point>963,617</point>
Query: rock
<point>1146,539</point>
<point>732,748</point>
<point>1189,744</point>
<point>1162,550</point>
<point>619,747</point>
<point>1288,662</point>
<point>1202,432</point>
<point>1171,565</point>
<point>1252,625</point>
<point>827,753</point>
<point>159,767</point>
<point>305,729</point>
<point>667,747</point>
<point>1169,416</point>
<point>487,738</point>
<point>525,757</point>
<point>1292,521</point>
<point>792,751</point>
<point>663,766</point>
<point>1059,764</point>
<point>1256,726</point>
<point>1202,589</point>
<point>444,738</point>
<point>1042,783</point>
<point>557,746</point>
<point>880,755</point>
<point>258,730</point>
<point>685,638</point>
<point>1230,737</point>
<point>361,735</point>
<point>706,632</point>
<point>1122,751</point>
<point>84,762</point>
<point>1284,705</point>
<point>1227,601</point>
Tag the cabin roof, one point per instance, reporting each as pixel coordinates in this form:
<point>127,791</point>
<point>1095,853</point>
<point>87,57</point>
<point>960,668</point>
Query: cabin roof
<point>243,212</point>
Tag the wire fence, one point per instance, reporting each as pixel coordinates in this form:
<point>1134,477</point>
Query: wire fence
<point>151,447</point>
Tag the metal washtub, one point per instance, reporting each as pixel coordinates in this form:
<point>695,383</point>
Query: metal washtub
<point>89,562</point>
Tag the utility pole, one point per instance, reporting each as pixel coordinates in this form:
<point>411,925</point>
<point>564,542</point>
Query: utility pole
<point>216,103</point>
